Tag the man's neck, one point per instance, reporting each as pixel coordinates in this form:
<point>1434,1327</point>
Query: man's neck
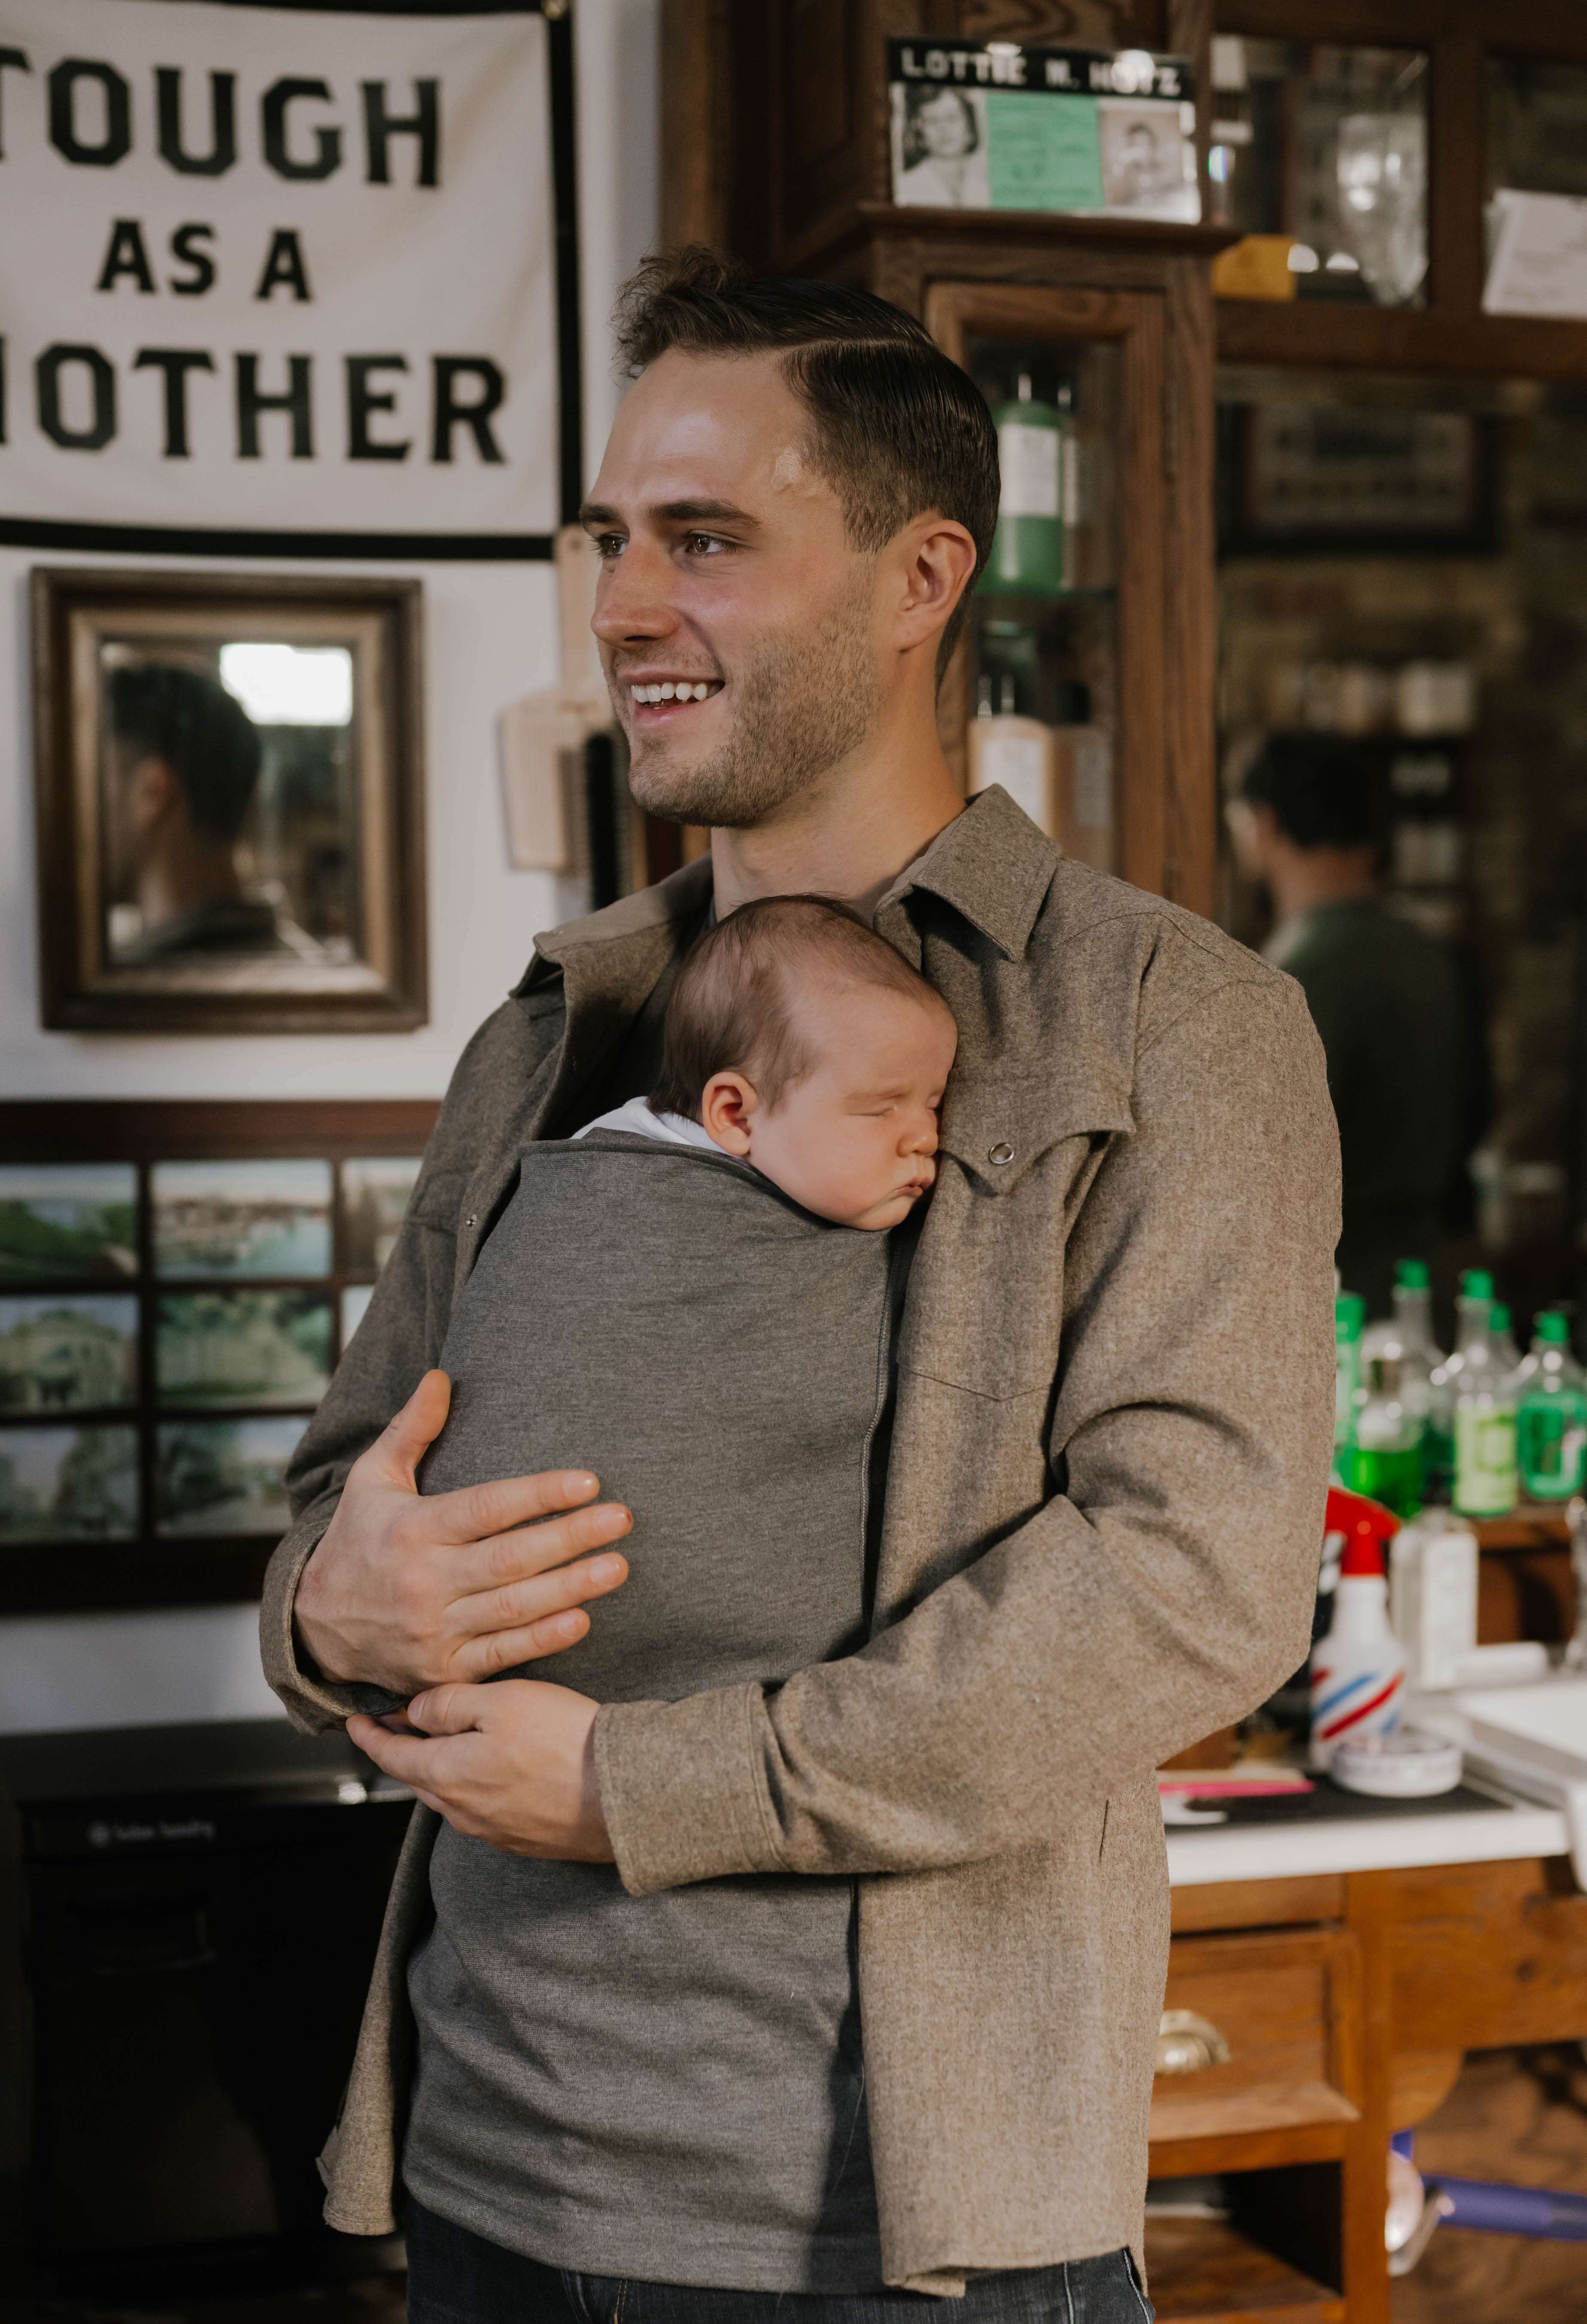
<point>1304,877</point>
<point>852,833</point>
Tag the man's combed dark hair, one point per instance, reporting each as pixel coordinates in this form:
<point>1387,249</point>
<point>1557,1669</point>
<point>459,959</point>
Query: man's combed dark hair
<point>730,1009</point>
<point>896,427</point>
<point>1320,787</point>
<point>202,733</point>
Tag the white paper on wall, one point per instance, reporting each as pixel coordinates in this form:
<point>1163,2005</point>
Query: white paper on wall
<point>1539,260</point>
<point>276,269</point>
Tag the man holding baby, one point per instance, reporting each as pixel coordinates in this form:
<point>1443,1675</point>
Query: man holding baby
<point>916,1249</point>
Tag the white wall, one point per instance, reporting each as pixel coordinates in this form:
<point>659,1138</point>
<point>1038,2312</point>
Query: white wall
<point>491,635</point>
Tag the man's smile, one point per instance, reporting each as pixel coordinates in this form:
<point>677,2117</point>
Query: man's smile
<point>656,698</point>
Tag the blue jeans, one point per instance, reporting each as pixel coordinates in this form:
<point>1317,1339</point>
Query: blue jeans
<point>455,2277</point>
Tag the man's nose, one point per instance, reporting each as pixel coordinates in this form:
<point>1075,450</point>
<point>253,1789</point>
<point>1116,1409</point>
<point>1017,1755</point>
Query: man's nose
<point>633,599</point>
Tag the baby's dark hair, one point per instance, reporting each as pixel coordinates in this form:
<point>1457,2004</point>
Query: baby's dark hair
<point>729,1010</point>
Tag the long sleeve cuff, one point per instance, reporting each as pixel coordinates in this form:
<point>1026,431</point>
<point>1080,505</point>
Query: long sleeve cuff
<point>683,1789</point>
<point>314,1703</point>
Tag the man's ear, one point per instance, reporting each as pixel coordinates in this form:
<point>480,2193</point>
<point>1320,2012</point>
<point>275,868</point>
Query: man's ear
<point>151,791</point>
<point>728,1105</point>
<point>936,559</point>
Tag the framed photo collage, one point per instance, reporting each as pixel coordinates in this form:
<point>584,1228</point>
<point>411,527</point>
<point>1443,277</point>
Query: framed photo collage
<point>168,1320</point>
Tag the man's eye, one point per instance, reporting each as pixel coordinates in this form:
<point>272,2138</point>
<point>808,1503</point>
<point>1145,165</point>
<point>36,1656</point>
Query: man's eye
<point>703,544</point>
<point>609,544</point>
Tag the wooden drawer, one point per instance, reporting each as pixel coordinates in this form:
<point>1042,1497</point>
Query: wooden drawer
<point>1288,2004</point>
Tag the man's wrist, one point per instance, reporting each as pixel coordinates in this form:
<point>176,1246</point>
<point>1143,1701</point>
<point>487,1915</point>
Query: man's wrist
<point>315,1643</point>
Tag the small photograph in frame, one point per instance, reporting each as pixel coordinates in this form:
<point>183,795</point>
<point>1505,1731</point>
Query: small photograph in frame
<point>223,1476</point>
<point>230,798</point>
<point>374,1197</point>
<point>68,1352</point>
<point>68,1485</point>
<point>67,1221</point>
<point>1308,478</point>
<point>234,1348</point>
<point>241,1219</point>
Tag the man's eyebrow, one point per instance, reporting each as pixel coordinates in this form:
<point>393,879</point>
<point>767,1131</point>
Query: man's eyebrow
<point>595,515</point>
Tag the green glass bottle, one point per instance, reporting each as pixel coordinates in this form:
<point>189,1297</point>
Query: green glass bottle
<point>1350,1316</point>
<point>1551,1414</point>
<point>1027,553</point>
<point>1381,1454</point>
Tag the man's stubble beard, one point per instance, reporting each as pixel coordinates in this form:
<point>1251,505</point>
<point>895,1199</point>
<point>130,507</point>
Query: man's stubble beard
<point>802,704</point>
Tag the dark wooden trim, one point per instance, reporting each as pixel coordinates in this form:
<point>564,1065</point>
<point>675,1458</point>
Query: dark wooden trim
<point>1330,337</point>
<point>201,1129</point>
<point>76,994</point>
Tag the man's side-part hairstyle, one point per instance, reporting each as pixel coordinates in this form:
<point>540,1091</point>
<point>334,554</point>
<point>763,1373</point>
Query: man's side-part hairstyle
<point>896,428</point>
<point>731,1008</point>
<point>200,732</point>
<point>1318,787</point>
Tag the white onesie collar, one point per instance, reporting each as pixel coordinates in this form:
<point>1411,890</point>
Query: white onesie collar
<point>639,1119</point>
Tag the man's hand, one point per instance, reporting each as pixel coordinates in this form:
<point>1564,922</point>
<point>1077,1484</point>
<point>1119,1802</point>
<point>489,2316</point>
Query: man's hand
<point>512,1764</point>
<point>408,1590</point>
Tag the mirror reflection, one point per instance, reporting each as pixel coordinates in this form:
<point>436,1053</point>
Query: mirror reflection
<point>229,802</point>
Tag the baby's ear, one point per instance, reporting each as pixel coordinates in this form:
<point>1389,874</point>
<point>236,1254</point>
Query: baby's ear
<point>727,1104</point>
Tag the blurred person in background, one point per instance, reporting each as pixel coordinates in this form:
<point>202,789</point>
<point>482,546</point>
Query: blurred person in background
<point>1400,1027</point>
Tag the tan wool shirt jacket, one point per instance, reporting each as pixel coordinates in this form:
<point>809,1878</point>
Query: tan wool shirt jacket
<point>1100,1541</point>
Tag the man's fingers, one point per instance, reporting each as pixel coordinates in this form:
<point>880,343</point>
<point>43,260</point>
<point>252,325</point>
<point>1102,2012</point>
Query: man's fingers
<point>515,1605</point>
<point>405,1440</point>
<point>499,1650</point>
<point>420,1761</point>
<point>479,1569</point>
<point>456,1708</point>
<point>475,1512</point>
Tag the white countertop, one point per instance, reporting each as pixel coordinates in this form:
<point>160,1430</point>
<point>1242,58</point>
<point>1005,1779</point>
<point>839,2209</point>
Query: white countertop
<point>1383,1843</point>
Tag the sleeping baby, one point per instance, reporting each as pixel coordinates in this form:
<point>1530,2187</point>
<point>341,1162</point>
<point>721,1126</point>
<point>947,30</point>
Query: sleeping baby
<point>697,1299</point>
<point>798,1040</point>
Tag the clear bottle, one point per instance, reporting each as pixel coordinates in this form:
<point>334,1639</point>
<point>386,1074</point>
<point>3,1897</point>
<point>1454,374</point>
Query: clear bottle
<point>1016,752</point>
<point>1381,1455</point>
<point>1551,1414</point>
<point>1476,1282</point>
<point>1502,1339</point>
<point>1485,1482</point>
<point>1406,1339</point>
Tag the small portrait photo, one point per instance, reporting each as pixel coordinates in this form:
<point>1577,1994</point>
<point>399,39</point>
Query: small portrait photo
<point>242,1347</point>
<point>69,1222</point>
<point>940,146</point>
<point>223,1476</point>
<point>1148,162</point>
<point>258,1219</point>
<point>67,1484</point>
<point>68,1352</point>
<point>374,1196</point>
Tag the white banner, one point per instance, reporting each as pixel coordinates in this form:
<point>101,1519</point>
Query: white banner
<point>279,270</point>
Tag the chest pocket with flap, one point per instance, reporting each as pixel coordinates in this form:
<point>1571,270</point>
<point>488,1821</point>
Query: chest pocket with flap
<point>986,1290</point>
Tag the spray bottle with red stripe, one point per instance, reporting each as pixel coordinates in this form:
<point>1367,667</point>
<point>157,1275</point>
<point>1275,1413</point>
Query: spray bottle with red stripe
<point>1358,1670</point>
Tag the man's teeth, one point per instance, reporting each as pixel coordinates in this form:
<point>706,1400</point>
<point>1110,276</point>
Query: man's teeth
<point>667,691</point>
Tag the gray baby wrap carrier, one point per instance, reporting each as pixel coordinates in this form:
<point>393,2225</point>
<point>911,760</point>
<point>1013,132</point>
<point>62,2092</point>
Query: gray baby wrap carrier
<point>670,2085</point>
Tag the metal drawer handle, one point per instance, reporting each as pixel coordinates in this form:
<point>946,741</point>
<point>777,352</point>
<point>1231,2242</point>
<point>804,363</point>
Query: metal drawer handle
<point>1188,2044</point>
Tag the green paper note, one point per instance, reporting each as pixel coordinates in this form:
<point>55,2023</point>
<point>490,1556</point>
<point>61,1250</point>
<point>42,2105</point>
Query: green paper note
<point>1043,152</point>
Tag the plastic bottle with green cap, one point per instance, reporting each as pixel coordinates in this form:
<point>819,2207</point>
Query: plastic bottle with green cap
<point>1439,1452</point>
<point>1485,1480</point>
<point>1551,1413</point>
<point>1502,1339</point>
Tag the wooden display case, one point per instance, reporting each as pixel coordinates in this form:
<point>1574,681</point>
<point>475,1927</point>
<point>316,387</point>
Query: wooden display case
<point>1121,308</point>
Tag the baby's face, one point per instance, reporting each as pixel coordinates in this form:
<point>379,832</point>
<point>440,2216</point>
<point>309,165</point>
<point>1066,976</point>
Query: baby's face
<point>855,1139</point>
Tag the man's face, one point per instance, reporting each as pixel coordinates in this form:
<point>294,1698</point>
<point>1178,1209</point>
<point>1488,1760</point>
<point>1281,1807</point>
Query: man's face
<point>727,567</point>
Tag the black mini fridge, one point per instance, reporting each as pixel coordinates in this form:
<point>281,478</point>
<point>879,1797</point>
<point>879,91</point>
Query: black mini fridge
<point>189,1917</point>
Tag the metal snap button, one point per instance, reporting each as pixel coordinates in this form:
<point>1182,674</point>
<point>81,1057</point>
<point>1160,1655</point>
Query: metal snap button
<point>473,1219</point>
<point>1001,1153</point>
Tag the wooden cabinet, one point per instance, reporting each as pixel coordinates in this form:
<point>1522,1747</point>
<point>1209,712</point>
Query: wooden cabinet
<point>1121,310</point>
